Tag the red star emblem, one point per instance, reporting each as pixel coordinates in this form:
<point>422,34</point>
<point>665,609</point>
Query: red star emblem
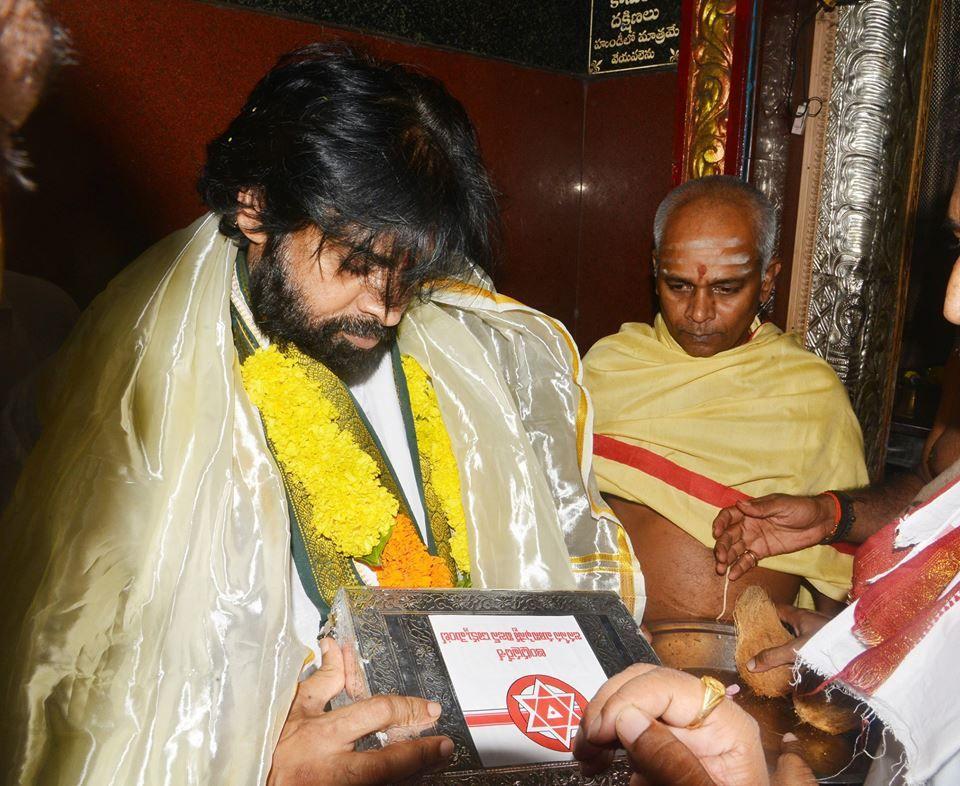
<point>546,710</point>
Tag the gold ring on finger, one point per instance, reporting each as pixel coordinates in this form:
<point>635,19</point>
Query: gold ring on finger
<point>713,693</point>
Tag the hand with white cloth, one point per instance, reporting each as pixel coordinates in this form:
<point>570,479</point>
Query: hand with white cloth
<point>894,649</point>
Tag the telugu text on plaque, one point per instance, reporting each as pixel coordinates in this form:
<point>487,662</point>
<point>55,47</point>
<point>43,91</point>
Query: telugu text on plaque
<point>633,34</point>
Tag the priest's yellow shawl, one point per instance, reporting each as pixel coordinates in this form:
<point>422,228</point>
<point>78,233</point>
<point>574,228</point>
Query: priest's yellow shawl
<point>686,436</point>
<point>145,624</point>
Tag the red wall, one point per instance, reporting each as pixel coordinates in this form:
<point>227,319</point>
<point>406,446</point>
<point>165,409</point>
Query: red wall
<point>119,141</point>
<point>628,131</point>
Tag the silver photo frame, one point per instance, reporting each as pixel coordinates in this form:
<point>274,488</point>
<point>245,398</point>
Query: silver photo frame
<point>389,647</point>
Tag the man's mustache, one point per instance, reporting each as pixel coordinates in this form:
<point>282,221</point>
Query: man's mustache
<point>362,328</point>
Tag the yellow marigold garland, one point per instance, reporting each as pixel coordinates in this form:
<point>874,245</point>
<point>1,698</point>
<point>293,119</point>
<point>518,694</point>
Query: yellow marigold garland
<point>432,438</point>
<point>349,504</point>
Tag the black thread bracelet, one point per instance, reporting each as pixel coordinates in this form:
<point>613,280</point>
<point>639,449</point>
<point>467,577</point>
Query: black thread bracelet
<point>845,522</point>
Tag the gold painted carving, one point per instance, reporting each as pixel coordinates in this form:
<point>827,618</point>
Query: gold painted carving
<point>708,88</point>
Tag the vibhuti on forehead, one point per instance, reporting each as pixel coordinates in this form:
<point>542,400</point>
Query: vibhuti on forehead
<point>696,247</point>
<point>731,242</point>
<point>742,263</point>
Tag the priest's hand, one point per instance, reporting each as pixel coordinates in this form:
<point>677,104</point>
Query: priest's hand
<point>754,529</point>
<point>804,625</point>
<point>646,710</point>
<point>316,748</point>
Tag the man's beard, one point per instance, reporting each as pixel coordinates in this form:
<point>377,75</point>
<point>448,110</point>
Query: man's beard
<point>279,312</point>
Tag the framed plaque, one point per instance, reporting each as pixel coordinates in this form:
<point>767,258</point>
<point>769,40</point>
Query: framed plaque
<point>626,35</point>
<point>512,671</point>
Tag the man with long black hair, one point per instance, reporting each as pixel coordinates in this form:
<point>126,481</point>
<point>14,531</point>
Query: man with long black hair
<point>313,386</point>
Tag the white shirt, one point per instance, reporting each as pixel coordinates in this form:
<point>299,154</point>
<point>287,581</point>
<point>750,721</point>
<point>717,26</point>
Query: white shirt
<point>378,398</point>
<point>890,768</point>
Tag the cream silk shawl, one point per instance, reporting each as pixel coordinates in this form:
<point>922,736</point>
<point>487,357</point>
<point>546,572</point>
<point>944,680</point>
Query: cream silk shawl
<point>686,436</point>
<point>147,543</point>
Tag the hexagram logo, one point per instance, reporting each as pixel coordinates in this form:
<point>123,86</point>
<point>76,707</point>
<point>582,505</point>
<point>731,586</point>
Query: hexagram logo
<point>546,710</point>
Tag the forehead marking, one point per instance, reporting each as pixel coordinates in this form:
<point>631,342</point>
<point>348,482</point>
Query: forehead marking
<point>744,261</point>
<point>729,242</point>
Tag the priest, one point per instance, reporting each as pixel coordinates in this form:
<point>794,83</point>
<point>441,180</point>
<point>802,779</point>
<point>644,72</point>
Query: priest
<point>710,405</point>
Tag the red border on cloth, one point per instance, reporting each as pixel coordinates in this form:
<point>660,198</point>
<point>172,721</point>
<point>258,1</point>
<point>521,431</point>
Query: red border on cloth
<point>691,483</point>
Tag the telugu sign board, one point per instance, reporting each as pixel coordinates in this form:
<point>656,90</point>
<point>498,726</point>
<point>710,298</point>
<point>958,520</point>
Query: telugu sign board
<point>633,34</point>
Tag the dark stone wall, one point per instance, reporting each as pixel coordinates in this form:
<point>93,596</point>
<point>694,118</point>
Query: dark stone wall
<point>549,34</point>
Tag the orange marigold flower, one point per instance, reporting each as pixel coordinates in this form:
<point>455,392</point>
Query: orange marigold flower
<point>405,561</point>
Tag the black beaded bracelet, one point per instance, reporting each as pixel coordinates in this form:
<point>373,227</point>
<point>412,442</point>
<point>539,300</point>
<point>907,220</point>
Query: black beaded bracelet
<point>846,519</point>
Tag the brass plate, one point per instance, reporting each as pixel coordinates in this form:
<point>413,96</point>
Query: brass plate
<point>707,647</point>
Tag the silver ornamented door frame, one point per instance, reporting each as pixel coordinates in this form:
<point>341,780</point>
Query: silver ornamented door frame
<point>862,162</point>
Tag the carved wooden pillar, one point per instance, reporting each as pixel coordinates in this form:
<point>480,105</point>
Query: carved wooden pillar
<point>717,59</point>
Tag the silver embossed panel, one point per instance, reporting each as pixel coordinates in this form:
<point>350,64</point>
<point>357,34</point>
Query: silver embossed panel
<point>858,267</point>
